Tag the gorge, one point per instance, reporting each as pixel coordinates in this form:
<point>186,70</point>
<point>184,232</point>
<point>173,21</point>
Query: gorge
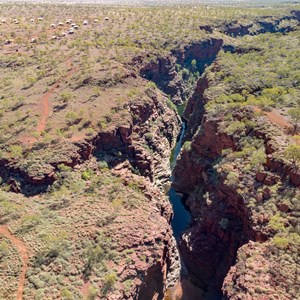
<point>220,225</point>
<point>163,171</point>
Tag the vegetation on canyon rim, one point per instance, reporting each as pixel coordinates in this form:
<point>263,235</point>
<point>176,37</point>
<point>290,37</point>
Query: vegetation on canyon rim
<point>88,225</point>
<point>266,77</point>
<point>253,97</point>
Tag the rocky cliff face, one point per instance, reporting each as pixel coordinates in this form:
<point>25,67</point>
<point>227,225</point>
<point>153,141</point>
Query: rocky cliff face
<point>154,264</point>
<point>167,76</point>
<point>146,142</point>
<point>145,139</point>
<point>260,25</point>
<point>135,148</point>
<point>222,197</point>
<point>143,133</point>
<point>221,224</point>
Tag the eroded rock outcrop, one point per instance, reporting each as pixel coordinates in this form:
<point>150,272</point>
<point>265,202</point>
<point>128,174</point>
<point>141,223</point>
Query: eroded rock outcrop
<point>261,25</point>
<point>134,148</point>
<point>276,276</point>
<point>144,134</point>
<point>165,74</point>
<point>230,201</point>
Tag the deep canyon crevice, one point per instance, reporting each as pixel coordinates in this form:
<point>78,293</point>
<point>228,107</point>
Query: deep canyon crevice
<point>145,137</point>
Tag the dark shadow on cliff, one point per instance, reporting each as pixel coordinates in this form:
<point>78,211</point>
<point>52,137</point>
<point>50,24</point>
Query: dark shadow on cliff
<point>211,247</point>
<point>153,284</point>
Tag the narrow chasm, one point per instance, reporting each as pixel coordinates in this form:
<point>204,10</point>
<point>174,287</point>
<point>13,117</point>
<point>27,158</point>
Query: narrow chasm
<point>210,222</point>
<point>184,288</point>
<point>177,76</point>
<point>182,91</point>
<point>182,216</point>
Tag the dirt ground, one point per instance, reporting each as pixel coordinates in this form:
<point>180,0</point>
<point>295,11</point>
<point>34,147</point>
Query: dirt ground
<point>276,117</point>
<point>21,247</point>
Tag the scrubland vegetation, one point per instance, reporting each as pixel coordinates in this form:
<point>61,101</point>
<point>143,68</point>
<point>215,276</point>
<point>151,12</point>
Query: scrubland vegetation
<point>260,83</point>
<point>70,233</point>
<point>89,65</point>
<point>62,87</point>
<point>266,77</point>
<point>57,86</point>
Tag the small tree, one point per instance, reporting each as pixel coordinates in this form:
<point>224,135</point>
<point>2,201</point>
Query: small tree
<point>93,255</point>
<point>15,151</point>
<point>194,65</point>
<point>92,293</point>
<point>72,118</point>
<point>108,282</point>
<point>294,113</point>
<point>292,152</point>
<point>65,96</point>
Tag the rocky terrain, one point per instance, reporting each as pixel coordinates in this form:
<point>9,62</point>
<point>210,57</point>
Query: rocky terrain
<point>242,192</point>
<point>86,147</point>
<point>131,242</point>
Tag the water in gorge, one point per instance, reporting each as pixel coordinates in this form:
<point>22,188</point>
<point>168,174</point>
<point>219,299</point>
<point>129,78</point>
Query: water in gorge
<point>183,289</point>
<point>182,216</point>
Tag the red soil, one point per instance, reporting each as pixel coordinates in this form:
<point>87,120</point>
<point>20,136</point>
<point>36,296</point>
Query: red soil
<point>45,100</point>
<point>275,117</point>
<point>85,289</point>
<point>21,247</point>
<point>45,105</point>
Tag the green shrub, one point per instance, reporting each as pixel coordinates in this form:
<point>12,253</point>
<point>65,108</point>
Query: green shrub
<point>258,158</point>
<point>294,113</point>
<point>187,146</point>
<point>72,118</point>
<point>92,293</point>
<point>194,65</point>
<point>293,153</point>
<point>108,282</point>
<point>15,151</point>
<point>281,242</point>
<point>171,105</point>
<point>90,132</point>
<point>64,168</point>
<point>93,255</point>
<point>8,208</point>
<point>66,294</point>
<point>276,223</point>
<point>185,73</point>
<point>232,179</point>
<point>127,284</point>
<point>103,165</point>
<point>86,175</point>
<point>65,96</point>
<point>30,221</point>
<point>235,127</point>
<point>151,85</point>
<point>4,249</point>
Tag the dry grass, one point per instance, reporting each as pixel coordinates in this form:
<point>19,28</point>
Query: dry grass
<point>99,53</point>
<point>79,213</point>
<point>54,92</point>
